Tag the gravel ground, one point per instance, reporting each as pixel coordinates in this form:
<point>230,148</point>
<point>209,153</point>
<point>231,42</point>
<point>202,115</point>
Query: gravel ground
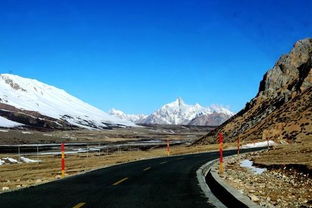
<point>278,187</point>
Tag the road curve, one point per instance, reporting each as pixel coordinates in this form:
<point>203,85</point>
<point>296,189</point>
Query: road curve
<point>162,182</point>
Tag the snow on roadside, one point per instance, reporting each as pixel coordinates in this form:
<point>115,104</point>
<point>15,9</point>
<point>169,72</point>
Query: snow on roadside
<point>10,160</point>
<point>249,164</point>
<point>259,144</point>
<point>27,160</point>
<point>2,162</point>
<point>8,124</point>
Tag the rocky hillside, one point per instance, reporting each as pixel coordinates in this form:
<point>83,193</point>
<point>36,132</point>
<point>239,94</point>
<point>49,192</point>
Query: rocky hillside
<point>282,108</point>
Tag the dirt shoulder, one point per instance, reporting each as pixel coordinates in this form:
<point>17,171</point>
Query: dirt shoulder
<point>286,182</point>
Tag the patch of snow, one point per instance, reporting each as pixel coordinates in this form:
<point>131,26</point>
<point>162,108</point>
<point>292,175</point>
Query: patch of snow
<point>4,130</point>
<point>27,160</point>
<point>2,162</point>
<point>11,160</point>
<point>259,144</point>
<point>4,122</point>
<point>26,132</point>
<point>249,164</point>
<point>93,149</point>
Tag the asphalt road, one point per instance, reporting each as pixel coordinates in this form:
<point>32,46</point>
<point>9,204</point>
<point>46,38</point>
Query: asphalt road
<point>163,182</point>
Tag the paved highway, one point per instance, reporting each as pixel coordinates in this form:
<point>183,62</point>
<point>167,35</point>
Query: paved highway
<point>162,182</point>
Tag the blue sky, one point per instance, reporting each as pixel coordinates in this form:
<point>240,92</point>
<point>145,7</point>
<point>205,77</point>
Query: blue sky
<point>137,55</point>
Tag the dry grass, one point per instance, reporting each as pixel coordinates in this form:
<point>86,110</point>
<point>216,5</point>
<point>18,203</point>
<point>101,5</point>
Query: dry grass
<point>297,154</point>
<point>9,136</point>
<point>16,176</point>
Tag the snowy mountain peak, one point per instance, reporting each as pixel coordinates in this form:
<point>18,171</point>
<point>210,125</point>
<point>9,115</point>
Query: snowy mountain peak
<point>177,103</point>
<point>180,101</point>
<point>18,94</point>
<point>180,113</point>
<point>35,96</point>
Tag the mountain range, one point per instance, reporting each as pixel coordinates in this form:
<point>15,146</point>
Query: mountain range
<point>180,113</point>
<point>282,109</point>
<point>31,103</point>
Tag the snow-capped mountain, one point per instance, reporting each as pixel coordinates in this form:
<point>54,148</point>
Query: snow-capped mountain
<point>180,113</point>
<point>135,118</point>
<point>38,101</point>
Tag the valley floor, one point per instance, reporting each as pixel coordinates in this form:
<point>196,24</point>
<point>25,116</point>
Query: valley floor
<point>163,132</point>
<point>289,165</point>
<point>19,175</point>
<point>41,151</point>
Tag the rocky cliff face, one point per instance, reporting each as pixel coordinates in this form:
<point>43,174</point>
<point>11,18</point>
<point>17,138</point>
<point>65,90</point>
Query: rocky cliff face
<point>282,108</point>
<point>291,74</point>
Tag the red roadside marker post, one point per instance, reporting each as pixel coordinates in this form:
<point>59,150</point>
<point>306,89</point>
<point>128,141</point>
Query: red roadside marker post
<point>63,160</point>
<point>221,169</point>
<point>168,147</point>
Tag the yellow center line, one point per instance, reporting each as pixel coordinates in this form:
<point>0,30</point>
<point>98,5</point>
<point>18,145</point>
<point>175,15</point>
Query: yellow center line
<point>163,162</point>
<point>79,205</point>
<point>120,181</point>
<point>147,169</point>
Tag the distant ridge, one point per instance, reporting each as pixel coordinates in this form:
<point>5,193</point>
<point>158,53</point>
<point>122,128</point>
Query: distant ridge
<point>180,113</point>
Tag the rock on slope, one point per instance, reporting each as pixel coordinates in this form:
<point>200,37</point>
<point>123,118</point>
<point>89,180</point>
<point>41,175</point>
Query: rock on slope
<point>39,105</point>
<point>282,108</point>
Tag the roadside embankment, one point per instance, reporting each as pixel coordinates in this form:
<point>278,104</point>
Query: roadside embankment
<point>277,185</point>
<point>218,191</point>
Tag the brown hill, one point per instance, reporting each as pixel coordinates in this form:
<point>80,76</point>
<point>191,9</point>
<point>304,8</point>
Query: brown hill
<point>282,108</point>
